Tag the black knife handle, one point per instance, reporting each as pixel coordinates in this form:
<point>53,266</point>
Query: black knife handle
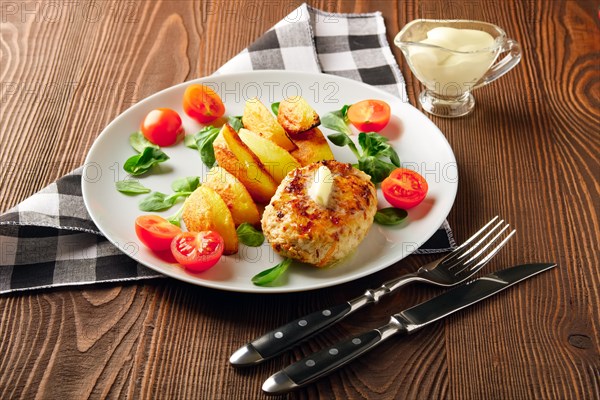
<point>327,360</point>
<point>292,333</point>
<point>321,363</point>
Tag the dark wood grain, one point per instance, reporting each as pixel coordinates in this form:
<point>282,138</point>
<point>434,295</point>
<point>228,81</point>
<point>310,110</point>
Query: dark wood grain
<point>529,152</point>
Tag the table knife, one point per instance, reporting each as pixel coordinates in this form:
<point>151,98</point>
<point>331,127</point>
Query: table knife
<point>319,364</point>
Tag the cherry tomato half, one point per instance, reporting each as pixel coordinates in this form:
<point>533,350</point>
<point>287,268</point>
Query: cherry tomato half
<point>162,127</point>
<point>404,188</point>
<point>155,232</point>
<point>197,251</point>
<point>202,103</point>
<point>369,115</point>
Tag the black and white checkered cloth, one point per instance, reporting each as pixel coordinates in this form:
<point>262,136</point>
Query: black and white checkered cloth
<point>49,240</point>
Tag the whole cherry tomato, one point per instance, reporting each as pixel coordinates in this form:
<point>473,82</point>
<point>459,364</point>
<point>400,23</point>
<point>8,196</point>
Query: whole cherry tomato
<point>162,127</point>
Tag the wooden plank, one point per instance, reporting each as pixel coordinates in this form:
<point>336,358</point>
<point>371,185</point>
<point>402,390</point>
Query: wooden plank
<point>529,152</point>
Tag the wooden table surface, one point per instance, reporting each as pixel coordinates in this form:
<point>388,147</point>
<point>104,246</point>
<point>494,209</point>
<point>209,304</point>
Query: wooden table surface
<point>529,152</point>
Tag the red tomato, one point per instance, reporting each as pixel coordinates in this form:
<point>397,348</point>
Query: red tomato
<point>369,115</point>
<point>155,232</point>
<point>197,251</point>
<point>202,104</point>
<point>162,127</point>
<point>404,188</point>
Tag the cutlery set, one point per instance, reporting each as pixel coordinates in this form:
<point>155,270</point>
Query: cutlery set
<point>452,270</point>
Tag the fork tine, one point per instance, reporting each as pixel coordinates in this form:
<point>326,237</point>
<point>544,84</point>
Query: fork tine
<point>495,250</point>
<point>460,260</point>
<point>471,269</point>
<point>487,244</point>
<point>476,234</point>
<point>463,251</point>
<point>483,239</point>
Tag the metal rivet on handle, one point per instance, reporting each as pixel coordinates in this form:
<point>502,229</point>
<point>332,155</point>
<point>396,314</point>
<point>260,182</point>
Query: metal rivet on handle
<point>302,322</point>
<point>310,363</point>
<point>326,313</point>
<point>356,341</point>
<point>333,351</point>
<point>278,335</point>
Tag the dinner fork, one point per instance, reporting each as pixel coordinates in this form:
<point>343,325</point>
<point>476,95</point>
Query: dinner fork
<point>450,270</point>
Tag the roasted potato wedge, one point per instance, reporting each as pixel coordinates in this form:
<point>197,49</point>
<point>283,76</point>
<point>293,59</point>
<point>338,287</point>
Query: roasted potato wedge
<point>296,115</point>
<point>277,160</point>
<point>258,118</point>
<point>312,147</point>
<point>205,210</point>
<point>233,155</point>
<point>234,194</point>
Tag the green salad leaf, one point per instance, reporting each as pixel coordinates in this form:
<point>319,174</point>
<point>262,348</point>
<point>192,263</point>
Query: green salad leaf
<point>139,142</point>
<point>236,123</point>
<point>141,163</point>
<point>186,184</point>
<point>275,108</point>
<point>131,186</point>
<point>156,201</point>
<point>390,216</point>
<point>249,235</point>
<point>190,141</point>
<point>175,219</point>
<point>203,142</point>
<point>337,120</point>
<point>182,188</point>
<point>373,144</point>
<point>270,275</point>
<point>376,168</point>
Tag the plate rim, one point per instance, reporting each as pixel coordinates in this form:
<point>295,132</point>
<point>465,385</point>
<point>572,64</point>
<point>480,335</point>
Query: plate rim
<point>262,289</point>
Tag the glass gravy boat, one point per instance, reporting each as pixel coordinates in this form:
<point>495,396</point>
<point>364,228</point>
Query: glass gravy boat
<point>449,71</point>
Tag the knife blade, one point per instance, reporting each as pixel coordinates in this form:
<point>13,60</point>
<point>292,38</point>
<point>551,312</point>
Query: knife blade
<point>405,322</point>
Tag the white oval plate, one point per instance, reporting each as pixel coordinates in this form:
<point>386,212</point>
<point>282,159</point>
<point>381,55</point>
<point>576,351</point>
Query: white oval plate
<point>417,140</point>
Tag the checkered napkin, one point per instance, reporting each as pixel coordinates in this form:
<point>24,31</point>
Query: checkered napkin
<point>49,240</point>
